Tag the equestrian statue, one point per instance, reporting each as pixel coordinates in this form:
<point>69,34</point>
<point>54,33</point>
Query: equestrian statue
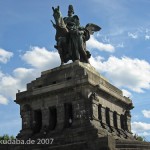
<point>71,37</point>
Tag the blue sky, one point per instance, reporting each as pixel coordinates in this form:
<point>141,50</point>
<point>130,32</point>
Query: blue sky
<point>120,51</point>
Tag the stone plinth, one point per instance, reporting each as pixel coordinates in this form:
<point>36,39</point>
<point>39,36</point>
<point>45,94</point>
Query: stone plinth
<point>75,105</point>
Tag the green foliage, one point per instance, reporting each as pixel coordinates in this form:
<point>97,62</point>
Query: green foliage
<point>140,138</point>
<point>7,137</point>
<point>12,137</point>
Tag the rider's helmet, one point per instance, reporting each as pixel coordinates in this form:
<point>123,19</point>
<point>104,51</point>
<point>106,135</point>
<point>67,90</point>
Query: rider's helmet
<point>70,10</point>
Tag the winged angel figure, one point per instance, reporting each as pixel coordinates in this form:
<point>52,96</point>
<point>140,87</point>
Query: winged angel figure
<point>71,37</point>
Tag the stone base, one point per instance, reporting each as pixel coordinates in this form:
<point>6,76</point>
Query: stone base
<point>132,145</point>
<point>103,143</point>
<point>77,107</point>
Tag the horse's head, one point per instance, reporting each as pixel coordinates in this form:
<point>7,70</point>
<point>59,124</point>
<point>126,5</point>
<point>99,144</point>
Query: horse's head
<point>57,15</point>
<point>60,26</point>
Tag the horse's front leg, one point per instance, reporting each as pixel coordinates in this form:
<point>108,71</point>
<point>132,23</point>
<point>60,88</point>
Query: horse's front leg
<point>61,55</point>
<point>60,50</point>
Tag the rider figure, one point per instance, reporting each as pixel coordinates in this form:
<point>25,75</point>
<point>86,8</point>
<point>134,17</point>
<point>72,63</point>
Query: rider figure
<point>72,22</point>
<point>77,36</point>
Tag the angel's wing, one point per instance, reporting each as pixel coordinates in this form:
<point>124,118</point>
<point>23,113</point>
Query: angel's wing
<point>91,27</point>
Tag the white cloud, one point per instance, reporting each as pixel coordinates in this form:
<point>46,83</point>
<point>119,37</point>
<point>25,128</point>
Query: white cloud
<point>41,58</point>
<point>147,30</point>
<point>121,45</point>
<point>126,93</point>
<point>22,72</point>
<point>5,55</point>
<point>93,43</point>
<point>10,84</point>
<point>146,113</point>
<point>3,100</point>
<point>105,39</point>
<point>24,76</point>
<point>141,33</point>
<point>145,134</point>
<point>135,117</point>
<point>141,129</point>
<point>147,37</point>
<point>140,126</point>
<point>133,35</point>
<point>125,72</point>
<point>1,74</point>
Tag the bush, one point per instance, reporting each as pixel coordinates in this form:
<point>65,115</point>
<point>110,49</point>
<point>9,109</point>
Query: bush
<point>7,137</point>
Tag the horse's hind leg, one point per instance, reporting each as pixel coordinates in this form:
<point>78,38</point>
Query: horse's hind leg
<point>61,55</point>
<point>60,50</point>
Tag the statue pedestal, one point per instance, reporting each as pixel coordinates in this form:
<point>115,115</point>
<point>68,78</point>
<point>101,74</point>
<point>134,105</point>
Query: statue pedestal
<point>74,104</point>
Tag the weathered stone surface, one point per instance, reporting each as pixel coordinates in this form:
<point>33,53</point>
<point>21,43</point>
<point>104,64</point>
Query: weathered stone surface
<point>77,107</point>
<point>132,145</point>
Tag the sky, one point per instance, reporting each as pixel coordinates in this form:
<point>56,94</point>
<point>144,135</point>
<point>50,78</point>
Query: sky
<point>120,51</point>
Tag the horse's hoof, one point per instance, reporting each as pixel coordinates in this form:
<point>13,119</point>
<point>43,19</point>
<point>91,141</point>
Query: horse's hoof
<point>62,64</point>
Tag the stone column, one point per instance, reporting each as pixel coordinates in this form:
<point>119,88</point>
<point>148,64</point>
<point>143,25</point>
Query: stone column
<point>23,120</point>
<point>26,115</point>
<point>127,120</point>
<point>27,120</point>
<point>26,125</point>
<point>80,114</point>
<point>60,116</point>
<point>95,111</point>
<point>103,116</point>
<point>76,114</point>
<point>111,118</point>
<point>129,123</point>
<point>118,121</point>
<point>45,117</point>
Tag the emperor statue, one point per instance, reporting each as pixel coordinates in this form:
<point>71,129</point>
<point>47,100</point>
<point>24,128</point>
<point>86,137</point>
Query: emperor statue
<point>71,37</point>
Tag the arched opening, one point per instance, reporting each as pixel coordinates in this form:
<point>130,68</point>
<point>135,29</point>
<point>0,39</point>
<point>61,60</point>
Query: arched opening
<point>68,115</point>
<point>107,116</point>
<point>122,121</point>
<point>37,124</point>
<point>52,118</point>
<point>115,119</point>
<point>125,121</point>
<point>100,112</point>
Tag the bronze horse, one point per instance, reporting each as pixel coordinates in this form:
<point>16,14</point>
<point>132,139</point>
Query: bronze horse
<point>71,45</point>
<point>61,34</point>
